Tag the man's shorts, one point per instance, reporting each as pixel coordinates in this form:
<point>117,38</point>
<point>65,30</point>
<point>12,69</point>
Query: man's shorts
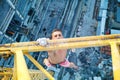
<point>65,63</point>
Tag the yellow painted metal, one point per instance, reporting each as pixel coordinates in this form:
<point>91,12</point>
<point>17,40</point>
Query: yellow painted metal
<point>115,60</point>
<point>77,39</point>
<point>6,77</point>
<point>37,75</point>
<point>91,41</point>
<point>20,67</point>
<point>39,66</point>
<point>5,73</point>
<point>68,43</point>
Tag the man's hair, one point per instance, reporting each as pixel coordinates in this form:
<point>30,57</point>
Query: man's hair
<point>54,31</point>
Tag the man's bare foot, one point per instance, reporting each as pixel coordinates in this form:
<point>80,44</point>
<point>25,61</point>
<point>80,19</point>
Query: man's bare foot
<point>76,67</point>
<point>72,65</point>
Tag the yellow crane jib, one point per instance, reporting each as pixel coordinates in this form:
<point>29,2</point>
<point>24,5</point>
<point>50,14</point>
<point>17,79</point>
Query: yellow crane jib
<point>20,71</point>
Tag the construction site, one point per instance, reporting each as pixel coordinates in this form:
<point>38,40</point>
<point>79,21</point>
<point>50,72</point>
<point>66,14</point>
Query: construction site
<point>90,27</point>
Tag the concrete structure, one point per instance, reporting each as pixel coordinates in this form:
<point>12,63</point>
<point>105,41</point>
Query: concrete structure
<point>102,17</point>
<point>118,14</point>
<point>113,31</point>
<point>27,20</point>
<point>118,0</point>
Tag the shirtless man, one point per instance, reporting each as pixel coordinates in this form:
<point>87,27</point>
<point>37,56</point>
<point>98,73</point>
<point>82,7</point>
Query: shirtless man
<point>57,56</point>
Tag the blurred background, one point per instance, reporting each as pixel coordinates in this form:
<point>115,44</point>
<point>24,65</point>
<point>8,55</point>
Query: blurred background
<point>28,20</point>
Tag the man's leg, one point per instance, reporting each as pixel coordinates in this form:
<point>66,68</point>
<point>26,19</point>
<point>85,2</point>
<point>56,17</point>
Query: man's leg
<point>66,63</point>
<point>47,63</point>
<point>72,65</point>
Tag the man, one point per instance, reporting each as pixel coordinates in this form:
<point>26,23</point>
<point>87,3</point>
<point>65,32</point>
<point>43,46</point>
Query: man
<point>56,56</point>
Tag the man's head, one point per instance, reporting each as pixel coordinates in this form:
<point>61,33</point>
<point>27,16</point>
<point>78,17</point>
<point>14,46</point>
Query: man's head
<point>56,34</point>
